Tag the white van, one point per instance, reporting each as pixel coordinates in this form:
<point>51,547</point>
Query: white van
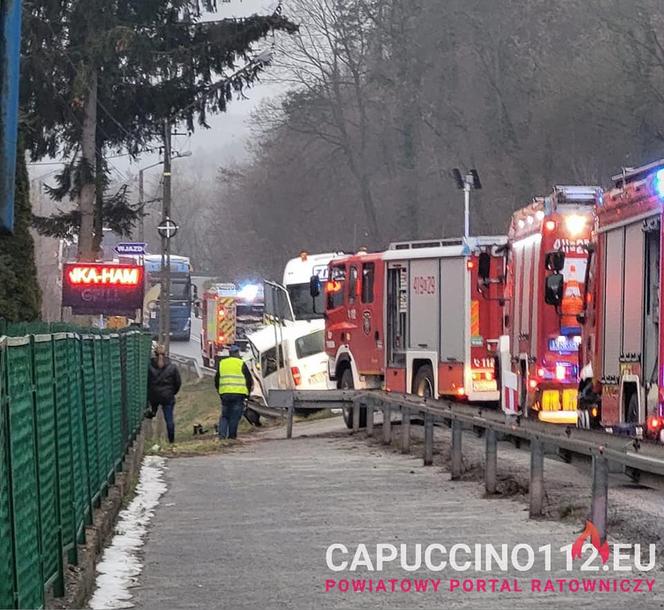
<point>300,364</point>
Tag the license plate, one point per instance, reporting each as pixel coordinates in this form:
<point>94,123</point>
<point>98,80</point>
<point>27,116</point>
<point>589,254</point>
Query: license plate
<point>318,378</point>
<point>484,385</point>
<point>563,344</point>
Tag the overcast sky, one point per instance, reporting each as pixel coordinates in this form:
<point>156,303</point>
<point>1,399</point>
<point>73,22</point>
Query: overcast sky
<point>227,137</point>
<point>228,134</point>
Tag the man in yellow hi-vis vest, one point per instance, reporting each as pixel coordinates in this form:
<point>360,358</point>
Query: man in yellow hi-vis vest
<point>234,384</point>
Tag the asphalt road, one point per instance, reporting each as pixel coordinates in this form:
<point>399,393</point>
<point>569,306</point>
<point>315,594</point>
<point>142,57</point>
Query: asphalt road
<point>191,348</point>
<point>250,529</point>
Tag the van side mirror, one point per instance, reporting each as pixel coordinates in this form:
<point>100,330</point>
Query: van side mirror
<point>314,286</point>
<point>555,261</point>
<point>484,266</point>
<point>553,293</point>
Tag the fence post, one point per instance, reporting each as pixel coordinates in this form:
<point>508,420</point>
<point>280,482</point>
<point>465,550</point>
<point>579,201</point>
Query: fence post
<point>600,493</point>
<point>536,478</point>
<point>387,425</point>
<point>457,458</point>
<point>428,439</point>
<point>370,419</point>
<point>405,429</point>
<point>490,465</point>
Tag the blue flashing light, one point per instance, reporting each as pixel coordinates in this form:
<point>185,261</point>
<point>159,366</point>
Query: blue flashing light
<point>249,292</point>
<point>658,183</point>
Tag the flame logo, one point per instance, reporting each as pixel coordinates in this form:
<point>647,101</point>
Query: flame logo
<point>591,532</point>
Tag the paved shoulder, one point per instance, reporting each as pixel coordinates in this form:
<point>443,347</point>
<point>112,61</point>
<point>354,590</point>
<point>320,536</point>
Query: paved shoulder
<point>251,530</point>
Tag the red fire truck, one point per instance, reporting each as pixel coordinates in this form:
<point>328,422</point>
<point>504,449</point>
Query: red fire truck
<point>547,265</point>
<point>629,352</point>
<point>218,317</point>
<point>421,318</point>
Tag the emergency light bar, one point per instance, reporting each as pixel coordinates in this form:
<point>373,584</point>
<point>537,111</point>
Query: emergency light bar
<point>577,194</point>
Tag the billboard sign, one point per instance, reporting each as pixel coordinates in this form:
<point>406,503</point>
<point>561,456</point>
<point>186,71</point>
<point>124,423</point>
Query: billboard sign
<point>103,288</point>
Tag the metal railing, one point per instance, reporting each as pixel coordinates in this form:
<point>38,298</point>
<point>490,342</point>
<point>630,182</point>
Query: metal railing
<point>640,460</point>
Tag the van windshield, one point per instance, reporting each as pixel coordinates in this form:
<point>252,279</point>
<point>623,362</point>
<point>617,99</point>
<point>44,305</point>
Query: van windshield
<point>302,302</point>
<point>310,345</point>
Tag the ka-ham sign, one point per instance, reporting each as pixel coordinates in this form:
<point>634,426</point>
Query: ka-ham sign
<point>103,288</point>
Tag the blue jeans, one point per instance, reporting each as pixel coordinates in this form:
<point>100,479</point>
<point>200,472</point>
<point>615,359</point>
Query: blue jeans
<point>231,414</point>
<point>170,421</point>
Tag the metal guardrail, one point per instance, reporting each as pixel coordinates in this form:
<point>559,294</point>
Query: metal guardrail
<point>640,459</point>
<point>192,364</point>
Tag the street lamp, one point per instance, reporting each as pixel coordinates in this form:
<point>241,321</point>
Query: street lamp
<point>141,199</point>
<point>466,183</point>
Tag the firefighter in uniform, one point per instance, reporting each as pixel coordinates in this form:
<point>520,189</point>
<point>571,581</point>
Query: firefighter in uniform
<point>234,384</point>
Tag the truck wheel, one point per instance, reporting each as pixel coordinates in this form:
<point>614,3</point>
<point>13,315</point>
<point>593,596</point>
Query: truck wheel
<point>423,384</point>
<point>347,384</point>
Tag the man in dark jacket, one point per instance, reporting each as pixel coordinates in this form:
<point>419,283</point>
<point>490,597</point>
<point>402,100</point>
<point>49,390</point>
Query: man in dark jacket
<point>234,384</point>
<point>163,384</point>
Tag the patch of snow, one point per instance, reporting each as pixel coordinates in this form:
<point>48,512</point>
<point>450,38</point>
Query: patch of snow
<point>120,567</point>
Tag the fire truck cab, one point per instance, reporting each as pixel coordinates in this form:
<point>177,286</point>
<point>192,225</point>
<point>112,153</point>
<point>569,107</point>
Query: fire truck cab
<point>422,317</point>
<point>629,354</point>
<point>547,265</point>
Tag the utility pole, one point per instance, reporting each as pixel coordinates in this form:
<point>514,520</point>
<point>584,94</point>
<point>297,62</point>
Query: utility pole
<point>165,296</point>
<point>141,204</point>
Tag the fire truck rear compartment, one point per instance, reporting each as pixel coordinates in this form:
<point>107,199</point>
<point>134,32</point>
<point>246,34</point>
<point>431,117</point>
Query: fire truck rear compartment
<point>631,321</point>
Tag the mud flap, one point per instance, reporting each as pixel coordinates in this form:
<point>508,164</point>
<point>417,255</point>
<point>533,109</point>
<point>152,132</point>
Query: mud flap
<point>509,382</point>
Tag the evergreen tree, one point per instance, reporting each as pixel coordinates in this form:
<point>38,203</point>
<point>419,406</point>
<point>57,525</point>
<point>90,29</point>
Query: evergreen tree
<point>20,296</point>
<point>105,75</point>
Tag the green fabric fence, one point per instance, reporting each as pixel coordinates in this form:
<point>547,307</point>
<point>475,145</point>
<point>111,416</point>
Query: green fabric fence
<point>71,404</point>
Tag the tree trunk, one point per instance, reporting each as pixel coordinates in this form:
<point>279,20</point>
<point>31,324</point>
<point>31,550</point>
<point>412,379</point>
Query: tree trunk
<point>86,198</point>
<point>99,196</point>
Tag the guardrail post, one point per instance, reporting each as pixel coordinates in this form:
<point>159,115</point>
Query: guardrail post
<point>457,460</point>
<point>405,429</point>
<point>356,416</point>
<point>491,461</point>
<point>289,423</point>
<point>536,478</point>
<point>428,439</point>
<point>600,495</point>
<point>370,419</point>
<point>387,425</point>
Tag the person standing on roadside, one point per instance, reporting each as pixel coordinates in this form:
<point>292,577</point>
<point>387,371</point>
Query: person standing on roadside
<point>164,383</point>
<point>234,384</point>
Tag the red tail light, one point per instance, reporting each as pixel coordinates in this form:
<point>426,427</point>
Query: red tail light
<point>297,378</point>
<point>654,423</point>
